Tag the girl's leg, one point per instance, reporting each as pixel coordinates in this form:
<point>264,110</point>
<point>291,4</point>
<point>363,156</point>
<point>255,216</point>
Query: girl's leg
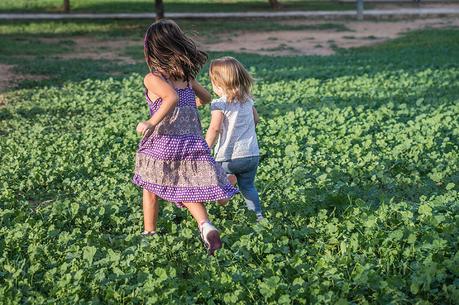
<point>150,211</point>
<point>246,170</point>
<point>250,193</point>
<point>198,211</point>
<point>209,233</point>
<point>231,178</point>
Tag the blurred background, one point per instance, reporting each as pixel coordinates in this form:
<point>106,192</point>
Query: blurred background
<point>38,49</point>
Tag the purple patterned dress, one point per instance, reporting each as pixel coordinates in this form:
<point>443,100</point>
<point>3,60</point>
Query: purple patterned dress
<point>175,162</point>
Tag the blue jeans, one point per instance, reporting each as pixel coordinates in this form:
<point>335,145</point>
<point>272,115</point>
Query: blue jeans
<point>245,170</point>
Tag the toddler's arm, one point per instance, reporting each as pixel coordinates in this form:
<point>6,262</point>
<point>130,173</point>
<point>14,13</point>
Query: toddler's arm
<point>256,118</point>
<point>159,87</point>
<point>202,95</point>
<point>216,122</point>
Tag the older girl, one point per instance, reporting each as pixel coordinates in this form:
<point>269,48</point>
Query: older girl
<point>173,161</point>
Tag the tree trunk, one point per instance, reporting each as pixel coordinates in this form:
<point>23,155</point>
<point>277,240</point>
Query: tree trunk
<point>159,8</point>
<point>66,6</point>
<point>275,4</point>
<point>359,9</point>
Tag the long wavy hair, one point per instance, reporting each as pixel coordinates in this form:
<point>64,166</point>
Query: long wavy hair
<point>231,76</point>
<point>168,50</point>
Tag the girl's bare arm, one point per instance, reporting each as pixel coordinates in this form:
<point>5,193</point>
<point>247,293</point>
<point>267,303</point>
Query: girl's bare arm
<point>216,122</point>
<point>160,88</point>
<point>202,95</point>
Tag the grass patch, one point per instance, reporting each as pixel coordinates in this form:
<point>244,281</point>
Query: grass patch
<point>98,29</point>
<point>358,178</point>
<point>371,37</point>
<point>137,28</point>
<point>14,46</point>
<point>338,27</point>
<point>280,47</point>
<point>142,6</point>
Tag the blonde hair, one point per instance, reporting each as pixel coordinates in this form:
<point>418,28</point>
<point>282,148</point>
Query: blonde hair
<point>230,75</point>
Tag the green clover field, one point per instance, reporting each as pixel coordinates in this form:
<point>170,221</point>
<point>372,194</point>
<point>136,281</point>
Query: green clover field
<point>358,177</point>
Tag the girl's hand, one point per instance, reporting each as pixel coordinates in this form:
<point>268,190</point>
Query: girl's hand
<point>145,128</point>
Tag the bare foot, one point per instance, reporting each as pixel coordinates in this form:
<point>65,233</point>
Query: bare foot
<point>222,202</point>
<point>232,179</point>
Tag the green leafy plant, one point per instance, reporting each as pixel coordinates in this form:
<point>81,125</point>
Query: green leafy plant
<point>358,178</point>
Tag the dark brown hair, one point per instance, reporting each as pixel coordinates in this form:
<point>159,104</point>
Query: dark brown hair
<point>168,50</point>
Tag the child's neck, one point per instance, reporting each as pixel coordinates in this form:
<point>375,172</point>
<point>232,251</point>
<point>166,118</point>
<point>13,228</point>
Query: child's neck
<point>180,84</point>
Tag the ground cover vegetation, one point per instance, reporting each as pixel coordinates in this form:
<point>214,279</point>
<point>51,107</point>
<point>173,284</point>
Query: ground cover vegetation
<point>359,180</point>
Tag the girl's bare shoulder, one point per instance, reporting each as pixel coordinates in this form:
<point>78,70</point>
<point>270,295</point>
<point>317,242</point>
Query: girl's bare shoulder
<point>151,79</point>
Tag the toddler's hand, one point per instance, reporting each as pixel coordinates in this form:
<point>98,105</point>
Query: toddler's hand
<point>145,128</point>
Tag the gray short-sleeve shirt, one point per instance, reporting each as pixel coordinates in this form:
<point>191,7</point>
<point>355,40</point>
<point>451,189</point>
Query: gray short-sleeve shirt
<point>237,137</point>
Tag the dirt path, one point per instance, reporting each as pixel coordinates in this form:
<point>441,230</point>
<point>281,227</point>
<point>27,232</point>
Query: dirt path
<point>322,42</point>
<point>90,48</point>
<point>278,43</point>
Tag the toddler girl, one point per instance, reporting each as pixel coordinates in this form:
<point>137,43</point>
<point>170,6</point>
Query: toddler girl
<point>173,161</point>
<point>233,127</point>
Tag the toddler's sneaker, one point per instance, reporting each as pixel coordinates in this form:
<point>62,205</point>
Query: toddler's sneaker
<point>210,237</point>
<point>223,202</point>
<point>233,180</point>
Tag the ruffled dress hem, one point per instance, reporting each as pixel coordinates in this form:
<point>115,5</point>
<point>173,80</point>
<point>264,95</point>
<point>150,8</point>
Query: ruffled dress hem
<point>178,195</point>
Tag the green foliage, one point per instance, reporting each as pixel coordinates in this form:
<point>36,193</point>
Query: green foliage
<point>358,178</point>
<point>136,28</point>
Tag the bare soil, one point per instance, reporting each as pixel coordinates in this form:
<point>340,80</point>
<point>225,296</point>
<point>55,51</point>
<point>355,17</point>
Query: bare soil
<point>90,48</point>
<point>322,42</point>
